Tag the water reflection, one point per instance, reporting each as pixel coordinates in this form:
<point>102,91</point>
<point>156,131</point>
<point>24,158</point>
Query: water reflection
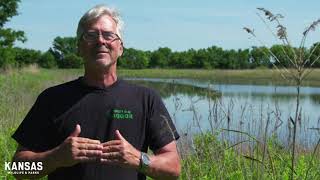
<point>256,109</point>
<point>172,88</point>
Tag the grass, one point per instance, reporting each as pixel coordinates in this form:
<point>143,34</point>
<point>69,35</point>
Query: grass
<point>214,159</point>
<point>18,91</point>
<point>203,157</point>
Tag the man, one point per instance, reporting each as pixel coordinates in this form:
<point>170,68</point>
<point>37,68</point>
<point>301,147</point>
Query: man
<point>99,127</point>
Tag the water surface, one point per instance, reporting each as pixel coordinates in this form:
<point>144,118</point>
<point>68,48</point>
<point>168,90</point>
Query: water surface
<point>199,106</point>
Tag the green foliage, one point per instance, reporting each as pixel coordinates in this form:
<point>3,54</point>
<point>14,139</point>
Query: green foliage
<point>63,46</point>
<point>259,57</point>
<point>47,60</point>
<point>25,57</point>
<point>65,53</point>
<point>201,59</point>
<point>7,58</point>
<point>315,48</point>
<point>160,57</point>
<point>284,55</point>
<point>134,59</point>
<point>9,36</point>
<point>8,147</point>
<point>8,9</point>
<point>71,61</point>
<point>214,159</point>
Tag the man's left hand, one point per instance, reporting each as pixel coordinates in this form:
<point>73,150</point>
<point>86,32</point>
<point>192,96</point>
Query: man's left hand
<point>120,152</point>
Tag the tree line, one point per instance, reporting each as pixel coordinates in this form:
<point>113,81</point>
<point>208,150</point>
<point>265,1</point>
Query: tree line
<point>63,53</point>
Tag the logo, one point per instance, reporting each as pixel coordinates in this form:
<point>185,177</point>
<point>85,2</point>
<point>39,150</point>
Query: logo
<point>23,167</point>
<point>121,114</point>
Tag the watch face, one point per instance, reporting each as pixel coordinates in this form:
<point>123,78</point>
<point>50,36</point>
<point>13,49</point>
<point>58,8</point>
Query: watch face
<point>145,159</point>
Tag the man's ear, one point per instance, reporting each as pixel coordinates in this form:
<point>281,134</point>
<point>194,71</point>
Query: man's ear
<point>78,48</point>
<point>120,50</point>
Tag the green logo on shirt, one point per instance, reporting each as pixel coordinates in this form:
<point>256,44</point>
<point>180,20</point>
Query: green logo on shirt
<point>122,114</point>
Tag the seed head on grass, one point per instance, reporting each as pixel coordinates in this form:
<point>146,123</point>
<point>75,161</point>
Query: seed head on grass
<point>312,27</point>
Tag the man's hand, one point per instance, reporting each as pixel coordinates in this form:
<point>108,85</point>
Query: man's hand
<point>120,152</point>
<point>77,149</point>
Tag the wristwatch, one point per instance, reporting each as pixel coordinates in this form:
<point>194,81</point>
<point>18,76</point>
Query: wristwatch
<point>144,162</point>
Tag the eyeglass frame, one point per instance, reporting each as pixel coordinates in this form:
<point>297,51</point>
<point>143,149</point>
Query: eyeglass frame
<point>101,33</point>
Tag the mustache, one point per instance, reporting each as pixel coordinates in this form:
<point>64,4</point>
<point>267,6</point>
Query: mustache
<point>102,50</point>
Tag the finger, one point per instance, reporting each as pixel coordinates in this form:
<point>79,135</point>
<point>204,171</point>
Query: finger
<point>85,146</point>
<point>110,161</point>
<point>89,153</point>
<point>111,155</point>
<point>112,148</point>
<point>113,142</point>
<point>76,131</point>
<point>87,140</point>
<point>119,136</point>
<point>87,159</point>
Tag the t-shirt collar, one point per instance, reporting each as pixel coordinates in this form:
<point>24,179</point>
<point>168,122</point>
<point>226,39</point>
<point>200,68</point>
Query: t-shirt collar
<point>85,85</point>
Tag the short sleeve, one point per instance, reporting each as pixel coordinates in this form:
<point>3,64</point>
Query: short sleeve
<point>161,128</point>
<point>34,131</point>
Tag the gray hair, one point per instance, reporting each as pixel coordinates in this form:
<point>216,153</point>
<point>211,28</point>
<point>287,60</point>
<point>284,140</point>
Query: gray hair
<point>95,13</point>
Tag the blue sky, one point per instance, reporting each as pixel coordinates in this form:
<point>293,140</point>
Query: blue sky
<point>179,25</point>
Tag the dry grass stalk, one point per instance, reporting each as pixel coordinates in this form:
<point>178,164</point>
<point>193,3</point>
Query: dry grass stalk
<point>301,65</point>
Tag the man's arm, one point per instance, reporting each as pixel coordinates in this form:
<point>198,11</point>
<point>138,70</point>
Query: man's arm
<point>47,159</point>
<point>164,164</point>
<point>72,151</point>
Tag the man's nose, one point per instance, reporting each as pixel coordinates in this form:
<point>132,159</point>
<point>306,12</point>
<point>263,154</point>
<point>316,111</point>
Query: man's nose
<point>101,40</point>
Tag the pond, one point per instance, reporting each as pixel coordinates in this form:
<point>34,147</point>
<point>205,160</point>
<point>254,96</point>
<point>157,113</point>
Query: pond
<point>199,106</point>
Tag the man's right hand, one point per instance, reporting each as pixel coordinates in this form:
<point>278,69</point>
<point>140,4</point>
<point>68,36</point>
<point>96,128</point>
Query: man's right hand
<point>77,149</point>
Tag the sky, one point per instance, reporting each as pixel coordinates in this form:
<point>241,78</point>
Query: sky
<point>177,24</point>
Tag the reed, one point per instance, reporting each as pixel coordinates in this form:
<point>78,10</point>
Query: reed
<point>299,60</point>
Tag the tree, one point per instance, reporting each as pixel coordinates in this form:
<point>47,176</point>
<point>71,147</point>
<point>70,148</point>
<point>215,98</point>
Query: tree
<point>26,56</point>
<point>8,9</point>
<point>62,46</point>
<point>243,59</point>
<point>7,57</point>
<point>215,56</point>
<point>201,59</point>
<point>134,59</point>
<point>284,53</point>
<point>315,54</point>
<point>160,57</point>
<point>71,61</point>
<point>47,60</point>
<point>259,57</point>
<point>65,52</point>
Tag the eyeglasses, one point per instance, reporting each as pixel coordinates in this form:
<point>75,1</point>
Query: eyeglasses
<point>93,36</point>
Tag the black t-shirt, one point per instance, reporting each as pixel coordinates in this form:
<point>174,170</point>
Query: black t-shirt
<point>137,112</point>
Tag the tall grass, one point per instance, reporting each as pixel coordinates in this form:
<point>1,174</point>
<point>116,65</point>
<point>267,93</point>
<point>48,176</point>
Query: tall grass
<point>216,159</point>
<point>18,91</point>
<point>299,59</point>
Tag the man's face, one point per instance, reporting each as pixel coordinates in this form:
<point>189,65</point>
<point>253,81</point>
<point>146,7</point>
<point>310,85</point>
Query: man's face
<point>95,48</point>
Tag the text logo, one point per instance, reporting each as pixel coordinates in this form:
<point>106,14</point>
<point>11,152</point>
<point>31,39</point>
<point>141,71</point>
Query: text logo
<point>121,114</point>
<point>23,167</point>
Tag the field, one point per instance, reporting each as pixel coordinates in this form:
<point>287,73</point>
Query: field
<point>203,157</point>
